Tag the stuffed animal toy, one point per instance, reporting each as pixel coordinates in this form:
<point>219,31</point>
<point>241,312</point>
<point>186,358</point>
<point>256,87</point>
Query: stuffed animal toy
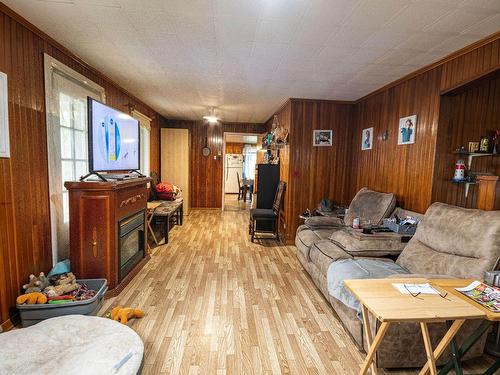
<point>59,290</point>
<point>36,284</point>
<point>32,298</point>
<point>123,314</point>
<point>63,284</point>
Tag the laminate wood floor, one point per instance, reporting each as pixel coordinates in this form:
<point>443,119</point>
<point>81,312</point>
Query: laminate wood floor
<point>217,304</point>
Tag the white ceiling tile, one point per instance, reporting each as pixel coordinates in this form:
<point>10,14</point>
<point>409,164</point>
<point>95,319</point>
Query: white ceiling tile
<point>486,4</point>
<point>334,12</point>
<point>387,38</point>
<point>458,20</point>
<point>230,29</point>
<point>246,57</point>
<point>292,10</point>
<point>277,30</point>
<point>423,41</point>
<point>486,27</point>
<point>373,14</point>
<point>350,36</point>
<point>455,43</point>
<point>419,14</point>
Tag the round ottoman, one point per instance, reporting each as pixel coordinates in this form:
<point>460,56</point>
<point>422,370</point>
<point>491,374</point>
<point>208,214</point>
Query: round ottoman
<point>72,344</point>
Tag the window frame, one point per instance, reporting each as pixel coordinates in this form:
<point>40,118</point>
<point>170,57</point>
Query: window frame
<point>53,67</point>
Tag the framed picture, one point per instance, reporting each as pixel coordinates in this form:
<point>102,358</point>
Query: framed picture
<point>322,137</point>
<point>407,129</point>
<point>367,139</point>
<point>4,117</point>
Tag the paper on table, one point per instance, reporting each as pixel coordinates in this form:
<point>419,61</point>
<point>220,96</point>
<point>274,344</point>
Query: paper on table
<point>469,287</point>
<point>415,288</point>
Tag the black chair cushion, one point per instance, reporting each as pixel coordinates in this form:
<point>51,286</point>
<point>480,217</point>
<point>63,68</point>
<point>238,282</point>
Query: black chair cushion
<point>262,213</point>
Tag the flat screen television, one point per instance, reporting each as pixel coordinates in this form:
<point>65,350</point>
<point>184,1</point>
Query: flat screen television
<point>114,139</point>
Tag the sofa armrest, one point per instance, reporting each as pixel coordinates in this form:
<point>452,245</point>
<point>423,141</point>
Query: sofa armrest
<point>316,222</point>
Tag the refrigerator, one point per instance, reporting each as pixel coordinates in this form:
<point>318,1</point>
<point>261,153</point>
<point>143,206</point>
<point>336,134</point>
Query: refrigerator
<point>234,165</point>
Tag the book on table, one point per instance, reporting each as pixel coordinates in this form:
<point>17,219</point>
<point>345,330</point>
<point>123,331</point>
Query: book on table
<point>484,294</point>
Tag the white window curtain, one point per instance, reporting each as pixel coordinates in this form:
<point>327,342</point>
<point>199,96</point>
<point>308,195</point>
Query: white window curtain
<point>145,125</point>
<point>66,93</point>
<point>250,158</point>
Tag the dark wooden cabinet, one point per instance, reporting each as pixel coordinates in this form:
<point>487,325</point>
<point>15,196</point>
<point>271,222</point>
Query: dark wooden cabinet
<point>267,179</point>
<point>100,215</point>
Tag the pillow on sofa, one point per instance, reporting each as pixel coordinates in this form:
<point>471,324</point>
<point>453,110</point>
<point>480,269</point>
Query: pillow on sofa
<point>370,205</point>
<point>317,222</point>
<point>366,245</point>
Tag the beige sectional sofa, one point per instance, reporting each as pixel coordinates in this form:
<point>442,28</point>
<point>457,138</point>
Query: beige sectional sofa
<point>450,242</point>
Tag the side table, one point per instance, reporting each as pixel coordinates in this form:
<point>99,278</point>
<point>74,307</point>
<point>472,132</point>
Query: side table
<point>380,298</point>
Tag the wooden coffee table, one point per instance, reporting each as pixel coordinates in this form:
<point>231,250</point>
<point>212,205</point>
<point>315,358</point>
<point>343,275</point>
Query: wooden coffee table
<point>380,298</point>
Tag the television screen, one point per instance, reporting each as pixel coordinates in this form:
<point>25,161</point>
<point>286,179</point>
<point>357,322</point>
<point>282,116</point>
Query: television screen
<point>113,139</point>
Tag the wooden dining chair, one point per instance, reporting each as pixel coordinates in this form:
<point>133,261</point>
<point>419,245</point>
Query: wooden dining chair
<point>268,214</point>
<point>242,189</point>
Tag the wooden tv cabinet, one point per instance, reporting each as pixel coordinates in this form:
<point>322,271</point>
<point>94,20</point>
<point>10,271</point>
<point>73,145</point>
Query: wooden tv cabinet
<point>100,214</point>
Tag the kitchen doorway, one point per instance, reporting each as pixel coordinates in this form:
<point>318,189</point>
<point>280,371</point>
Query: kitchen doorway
<point>239,160</point>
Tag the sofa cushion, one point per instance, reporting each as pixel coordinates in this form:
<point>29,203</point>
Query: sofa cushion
<point>361,268</point>
<point>358,244</point>
<point>370,205</point>
<point>306,237</point>
<point>324,252</point>
<point>454,241</point>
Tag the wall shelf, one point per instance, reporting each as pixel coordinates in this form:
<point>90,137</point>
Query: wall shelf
<point>472,155</point>
<point>467,185</point>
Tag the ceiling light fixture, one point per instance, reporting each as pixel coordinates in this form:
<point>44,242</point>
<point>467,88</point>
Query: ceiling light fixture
<point>211,117</point>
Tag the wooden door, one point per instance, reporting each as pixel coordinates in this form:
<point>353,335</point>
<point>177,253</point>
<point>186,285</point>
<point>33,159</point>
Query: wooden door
<point>175,146</point>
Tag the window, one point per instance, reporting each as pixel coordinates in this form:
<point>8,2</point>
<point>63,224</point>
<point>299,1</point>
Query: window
<point>73,135</point>
<point>250,159</point>
<point>145,124</point>
<point>66,94</point>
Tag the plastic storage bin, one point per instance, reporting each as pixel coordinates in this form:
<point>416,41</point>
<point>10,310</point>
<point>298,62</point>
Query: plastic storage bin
<point>32,314</point>
<point>401,229</point>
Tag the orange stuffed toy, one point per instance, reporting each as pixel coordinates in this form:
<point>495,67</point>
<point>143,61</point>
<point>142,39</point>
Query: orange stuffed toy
<point>123,314</point>
<point>32,298</point>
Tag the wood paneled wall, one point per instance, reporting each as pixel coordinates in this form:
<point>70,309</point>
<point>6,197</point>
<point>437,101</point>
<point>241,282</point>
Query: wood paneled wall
<point>312,173</point>
<point>408,170</point>
<point>206,171</point>
<point>405,170</point>
<point>464,117</point>
<point>25,243</point>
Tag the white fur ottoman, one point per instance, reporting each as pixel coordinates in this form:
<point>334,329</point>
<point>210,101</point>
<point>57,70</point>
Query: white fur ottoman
<point>71,344</point>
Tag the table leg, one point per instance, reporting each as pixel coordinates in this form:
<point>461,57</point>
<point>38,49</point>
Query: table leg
<point>431,361</point>
<point>151,231</point>
<point>166,228</point>
<point>450,334</point>
<point>373,347</point>
<point>454,352</point>
<point>471,340</point>
<point>369,337</point>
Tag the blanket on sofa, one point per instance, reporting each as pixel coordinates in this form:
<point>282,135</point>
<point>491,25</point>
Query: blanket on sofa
<point>361,268</point>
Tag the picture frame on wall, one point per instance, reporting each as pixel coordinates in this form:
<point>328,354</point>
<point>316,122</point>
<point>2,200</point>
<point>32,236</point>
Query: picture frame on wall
<point>322,138</point>
<point>367,139</point>
<point>407,130</point>
<point>4,117</point>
